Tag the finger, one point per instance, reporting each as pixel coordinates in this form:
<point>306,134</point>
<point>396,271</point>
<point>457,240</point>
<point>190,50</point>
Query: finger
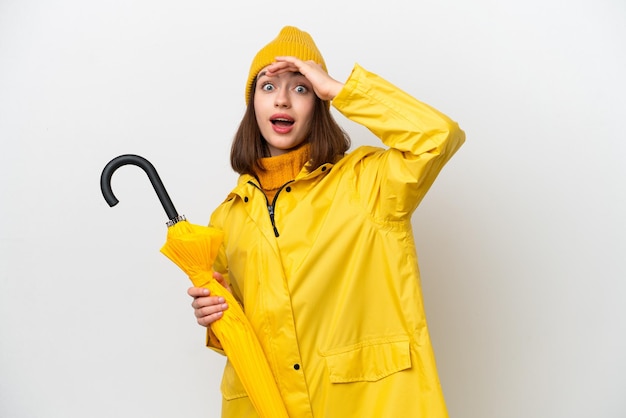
<point>287,63</point>
<point>211,310</point>
<point>196,292</point>
<point>221,280</point>
<point>280,68</point>
<point>295,63</point>
<point>208,320</point>
<point>199,303</point>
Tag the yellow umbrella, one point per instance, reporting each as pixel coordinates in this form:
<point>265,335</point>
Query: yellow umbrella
<point>194,248</point>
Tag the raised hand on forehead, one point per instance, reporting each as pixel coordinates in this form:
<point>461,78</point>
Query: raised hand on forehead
<point>324,86</point>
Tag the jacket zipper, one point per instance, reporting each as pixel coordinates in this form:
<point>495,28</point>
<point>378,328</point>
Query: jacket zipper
<point>271,206</point>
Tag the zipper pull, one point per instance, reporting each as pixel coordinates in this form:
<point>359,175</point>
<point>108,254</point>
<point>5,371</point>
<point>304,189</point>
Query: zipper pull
<point>270,209</point>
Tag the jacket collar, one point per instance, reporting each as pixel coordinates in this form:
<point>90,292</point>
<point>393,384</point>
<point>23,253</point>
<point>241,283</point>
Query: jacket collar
<point>245,179</point>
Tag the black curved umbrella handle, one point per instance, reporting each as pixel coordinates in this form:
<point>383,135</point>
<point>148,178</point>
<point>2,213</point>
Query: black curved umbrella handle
<point>117,162</point>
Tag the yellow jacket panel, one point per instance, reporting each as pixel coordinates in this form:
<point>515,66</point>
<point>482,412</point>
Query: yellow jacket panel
<point>330,280</point>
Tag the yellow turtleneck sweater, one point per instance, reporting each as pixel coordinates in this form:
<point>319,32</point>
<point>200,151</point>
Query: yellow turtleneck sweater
<point>282,169</point>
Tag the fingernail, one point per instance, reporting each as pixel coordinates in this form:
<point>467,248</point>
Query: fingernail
<point>205,291</point>
<point>221,300</point>
<point>224,305</point>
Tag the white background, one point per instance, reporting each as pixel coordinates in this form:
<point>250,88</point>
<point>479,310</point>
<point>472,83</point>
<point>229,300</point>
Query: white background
<point>521,239</point>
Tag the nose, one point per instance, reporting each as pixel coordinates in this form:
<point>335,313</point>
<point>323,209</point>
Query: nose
<point>281,98</point>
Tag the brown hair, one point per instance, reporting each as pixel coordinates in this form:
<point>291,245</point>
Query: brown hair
<point>327,139</point>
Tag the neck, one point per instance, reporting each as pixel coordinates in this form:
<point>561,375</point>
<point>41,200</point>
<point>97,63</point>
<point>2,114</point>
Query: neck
<point>281,169</point>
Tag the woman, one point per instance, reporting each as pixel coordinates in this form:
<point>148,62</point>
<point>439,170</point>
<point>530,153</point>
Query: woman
<point>318,243</point>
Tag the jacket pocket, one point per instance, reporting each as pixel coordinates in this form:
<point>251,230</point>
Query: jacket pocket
<point>231,386</point>
<point>369,361</point>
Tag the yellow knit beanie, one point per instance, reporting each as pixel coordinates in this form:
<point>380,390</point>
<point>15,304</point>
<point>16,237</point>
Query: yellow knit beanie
<point>290,41</point>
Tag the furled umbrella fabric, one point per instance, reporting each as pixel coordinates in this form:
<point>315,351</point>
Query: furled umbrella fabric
<point>194,248</point>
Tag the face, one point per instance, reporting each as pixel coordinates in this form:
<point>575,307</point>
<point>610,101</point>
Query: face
<point>284,109</point>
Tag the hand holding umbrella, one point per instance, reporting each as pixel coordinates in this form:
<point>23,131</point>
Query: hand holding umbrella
<point>194,248</point>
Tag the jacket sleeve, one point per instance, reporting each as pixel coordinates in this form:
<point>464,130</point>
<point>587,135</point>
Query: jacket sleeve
<point>419,138</point>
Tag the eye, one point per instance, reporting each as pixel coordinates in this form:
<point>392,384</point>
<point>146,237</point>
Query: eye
<point>301,89</point>
<point>267,86</point>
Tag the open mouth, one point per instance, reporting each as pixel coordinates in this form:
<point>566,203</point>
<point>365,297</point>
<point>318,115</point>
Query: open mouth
<point>282,122</point>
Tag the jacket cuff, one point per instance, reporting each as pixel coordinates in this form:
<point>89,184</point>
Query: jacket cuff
<point>349,86</point>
